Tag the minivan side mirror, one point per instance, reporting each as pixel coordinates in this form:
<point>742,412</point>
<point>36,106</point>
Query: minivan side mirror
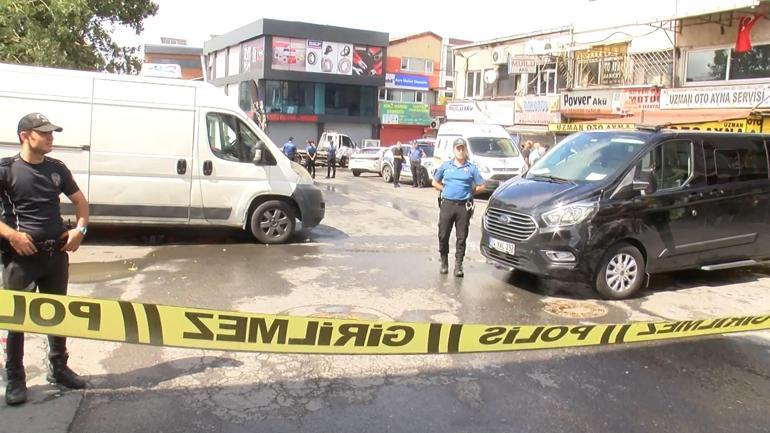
<point>258,155</point>
<point>644,183</point>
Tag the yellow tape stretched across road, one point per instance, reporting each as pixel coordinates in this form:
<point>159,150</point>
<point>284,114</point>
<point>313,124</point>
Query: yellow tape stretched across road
<point>162,325</point>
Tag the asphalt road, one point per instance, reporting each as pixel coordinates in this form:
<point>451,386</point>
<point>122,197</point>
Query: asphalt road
<point>374,257</point>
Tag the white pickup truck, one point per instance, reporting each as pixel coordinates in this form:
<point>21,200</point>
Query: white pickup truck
<point>343,145</point>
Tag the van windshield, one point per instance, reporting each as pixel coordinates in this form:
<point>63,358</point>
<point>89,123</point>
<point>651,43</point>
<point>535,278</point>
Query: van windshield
<point>493,147</point>
<point>587,157</point>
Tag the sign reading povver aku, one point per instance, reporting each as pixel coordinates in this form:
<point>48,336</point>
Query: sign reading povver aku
<point>749,96</point>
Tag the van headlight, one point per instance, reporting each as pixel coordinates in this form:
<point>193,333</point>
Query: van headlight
<point>568,215</point>
<point>482,168</point>
<point>301,172</point>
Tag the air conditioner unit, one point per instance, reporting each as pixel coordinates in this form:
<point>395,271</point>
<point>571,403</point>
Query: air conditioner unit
<point>499,56</point>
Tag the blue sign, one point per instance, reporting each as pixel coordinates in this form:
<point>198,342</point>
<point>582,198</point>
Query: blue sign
<point>419,82</point>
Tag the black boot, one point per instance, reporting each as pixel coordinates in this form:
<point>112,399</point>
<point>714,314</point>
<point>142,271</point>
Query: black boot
<point>459,269</point>
<point>60,374</point>
<point>16,388</point>
<point>444,265</point>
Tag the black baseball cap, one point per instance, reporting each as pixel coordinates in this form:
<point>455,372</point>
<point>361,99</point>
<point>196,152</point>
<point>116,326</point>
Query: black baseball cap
<point>37,122</point>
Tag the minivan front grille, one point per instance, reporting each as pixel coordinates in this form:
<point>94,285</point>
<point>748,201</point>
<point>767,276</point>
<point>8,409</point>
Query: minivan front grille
<point>509,225</point>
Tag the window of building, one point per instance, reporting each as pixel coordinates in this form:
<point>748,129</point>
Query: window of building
<point>506,83</point>
<point>345,100</point>
<point>429,98</point>
<point>473,84</point>
<point>723,64</point>
<point>588,73</point>
<point>423,66</point>
<point>489,88</point>
<point>546,81</point>
<point>600,66</point>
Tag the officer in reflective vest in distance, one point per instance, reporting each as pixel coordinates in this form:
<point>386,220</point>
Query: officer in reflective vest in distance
<point>457,180</point>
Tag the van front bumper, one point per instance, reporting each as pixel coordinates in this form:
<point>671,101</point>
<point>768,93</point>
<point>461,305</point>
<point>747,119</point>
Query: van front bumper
<point>536,254</point>
<point>311,204</point>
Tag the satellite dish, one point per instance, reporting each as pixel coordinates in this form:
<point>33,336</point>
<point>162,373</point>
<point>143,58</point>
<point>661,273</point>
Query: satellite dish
<point>490,76</point>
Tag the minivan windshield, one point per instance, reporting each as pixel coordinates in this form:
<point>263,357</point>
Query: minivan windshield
<point>495,147</point>
<point>587,157</point>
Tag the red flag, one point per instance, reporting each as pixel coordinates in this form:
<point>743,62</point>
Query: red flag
<point>743,43</point>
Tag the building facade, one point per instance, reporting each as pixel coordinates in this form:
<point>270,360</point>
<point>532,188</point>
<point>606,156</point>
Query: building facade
<point>298,79</point>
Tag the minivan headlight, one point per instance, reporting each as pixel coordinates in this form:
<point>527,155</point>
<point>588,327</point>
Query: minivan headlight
<point>301,172</point>
<point>482,168</point>
<point>568,215</point>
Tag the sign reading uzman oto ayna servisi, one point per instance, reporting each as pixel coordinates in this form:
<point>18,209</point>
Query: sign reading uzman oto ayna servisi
<point>580,127</point>
<point>162,325</point>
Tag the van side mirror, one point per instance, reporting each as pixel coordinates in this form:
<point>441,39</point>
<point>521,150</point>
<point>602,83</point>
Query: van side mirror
<point>258,155</point>
<point>644,183</point>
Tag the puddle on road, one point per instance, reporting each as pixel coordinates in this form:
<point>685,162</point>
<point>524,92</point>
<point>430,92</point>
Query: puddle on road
<point>92,272</point>
<point>575,309</point>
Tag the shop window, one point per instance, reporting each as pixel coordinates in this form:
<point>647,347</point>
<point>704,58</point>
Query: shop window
<point>343,100</point>
<point>273,96</point>
<point>506,83</point>
<point>382,96</point>
<point>710,65</point>
<point>247,95</point>
<point>368,101</point>
<point>724,64</point>
<point>588,73</point>
<point>488,87</point>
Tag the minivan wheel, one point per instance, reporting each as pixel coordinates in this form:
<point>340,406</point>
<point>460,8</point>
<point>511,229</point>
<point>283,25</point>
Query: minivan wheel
<point>622,272</point>
<point>356,173</point>
<point>272,222</point>
<point>387,174</point>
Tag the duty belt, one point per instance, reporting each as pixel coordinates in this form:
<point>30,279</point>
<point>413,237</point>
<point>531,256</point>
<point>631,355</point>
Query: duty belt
<point>49,246</point>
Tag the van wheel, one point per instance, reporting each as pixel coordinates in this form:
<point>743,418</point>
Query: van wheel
<point>272,222</point>
<point>356,173</point>
<point>621,273</point>
<point>387,174</point>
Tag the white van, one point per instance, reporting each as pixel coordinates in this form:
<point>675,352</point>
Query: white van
<point>161,151</point>
<point>343,146</point>
<point>490,148</point>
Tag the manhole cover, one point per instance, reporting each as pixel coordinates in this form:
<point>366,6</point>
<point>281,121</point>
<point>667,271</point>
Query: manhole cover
<point>575,309</point>
<point>351,312</point>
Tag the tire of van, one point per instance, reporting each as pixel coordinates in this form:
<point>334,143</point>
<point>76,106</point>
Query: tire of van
<point>272,222</point>
<point>622,272</point>
<point>387,174</point>
<point>356,173</point>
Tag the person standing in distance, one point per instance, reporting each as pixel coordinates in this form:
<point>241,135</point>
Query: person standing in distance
<point>457,180</point>
<point>398,164</point>
<point>415,164</point>
<point>311,152</point>
<point>290,149</point>
<point>35,241</point>
<point>331,160</point>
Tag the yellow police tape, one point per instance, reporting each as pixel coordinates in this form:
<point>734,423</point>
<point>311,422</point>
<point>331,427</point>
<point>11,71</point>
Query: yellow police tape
<point>161,325</point>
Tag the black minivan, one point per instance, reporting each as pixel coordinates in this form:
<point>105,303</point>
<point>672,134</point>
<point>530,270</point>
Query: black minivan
<point>612,207</point>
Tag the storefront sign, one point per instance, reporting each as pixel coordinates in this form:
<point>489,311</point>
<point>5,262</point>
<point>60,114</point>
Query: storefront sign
<point>522,64</point>
<point>309,55</point>
<point>749,96</point>
<point>406,81</point>
<point>591,102</point>
<point>734,125</point>
<point>537,110</point>
<point>580,127</point>
<point>399,113</point>
<point>493,112</point>
<point>279,117</point>
<point>642,98</point>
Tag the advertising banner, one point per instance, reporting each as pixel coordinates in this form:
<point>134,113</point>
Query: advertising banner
<point>406,81</point>
<point>537,110</point>
<point>367,61</point>
<point>399,113</point>
<point>253,55</point>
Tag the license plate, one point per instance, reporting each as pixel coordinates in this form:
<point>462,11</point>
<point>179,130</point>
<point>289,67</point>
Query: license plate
<point>506,247</point>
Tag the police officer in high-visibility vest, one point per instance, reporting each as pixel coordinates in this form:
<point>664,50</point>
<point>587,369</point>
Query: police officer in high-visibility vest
<point>457,180</point>
<point>35,241</point>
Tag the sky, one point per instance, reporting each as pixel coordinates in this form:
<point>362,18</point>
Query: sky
<point>196,21</point>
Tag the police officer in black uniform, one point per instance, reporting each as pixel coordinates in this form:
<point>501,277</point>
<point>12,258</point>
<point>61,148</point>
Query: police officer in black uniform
<point>35,241</point>
<point>457,180</point>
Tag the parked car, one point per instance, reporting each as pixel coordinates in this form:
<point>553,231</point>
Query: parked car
<point>367,160</point>
<point>406,170</point>
<point>612,207</point>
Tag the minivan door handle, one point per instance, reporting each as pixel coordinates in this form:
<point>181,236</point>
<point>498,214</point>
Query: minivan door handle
<point>208,168</point>
<point>695,196</point>
<point>717,192</point>
<point>181,166</point>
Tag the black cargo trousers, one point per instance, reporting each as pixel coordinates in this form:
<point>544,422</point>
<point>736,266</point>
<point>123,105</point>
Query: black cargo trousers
<point>458,214</point>
<point>49,270</point>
